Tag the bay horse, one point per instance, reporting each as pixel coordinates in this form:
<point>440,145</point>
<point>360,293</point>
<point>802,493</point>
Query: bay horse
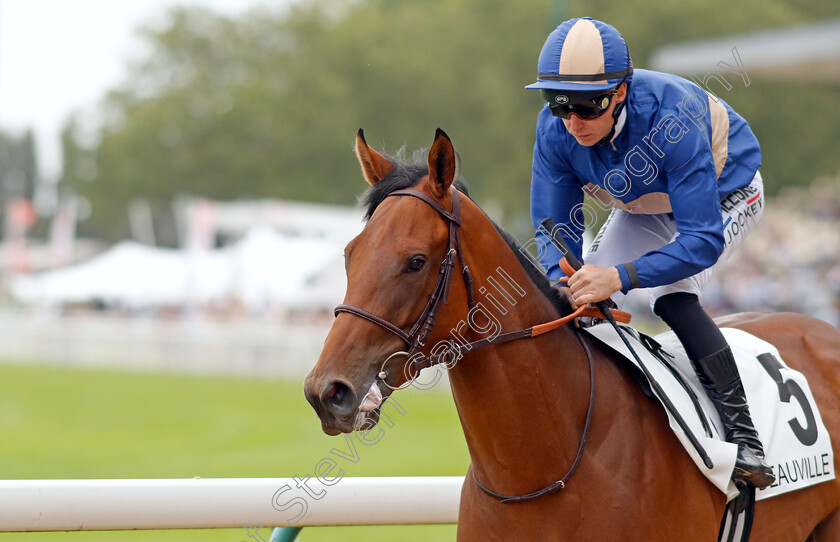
<point>524,404</point>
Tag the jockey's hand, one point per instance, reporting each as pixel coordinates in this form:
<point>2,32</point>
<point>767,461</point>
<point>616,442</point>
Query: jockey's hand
<point>591,284</point>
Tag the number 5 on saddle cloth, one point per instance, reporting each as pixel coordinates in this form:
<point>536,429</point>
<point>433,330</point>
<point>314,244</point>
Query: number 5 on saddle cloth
<point>797,443</point>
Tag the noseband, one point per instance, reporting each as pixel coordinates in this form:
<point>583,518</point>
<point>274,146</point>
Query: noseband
<point>416,337</point>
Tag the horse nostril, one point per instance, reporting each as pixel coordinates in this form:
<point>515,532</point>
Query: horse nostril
<point>339,396</point>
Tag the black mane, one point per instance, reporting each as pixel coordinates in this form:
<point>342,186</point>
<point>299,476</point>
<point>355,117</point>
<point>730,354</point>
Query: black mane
<point>406,175</point>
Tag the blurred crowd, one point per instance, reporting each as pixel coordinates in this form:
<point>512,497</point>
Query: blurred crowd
<point>790,261</point>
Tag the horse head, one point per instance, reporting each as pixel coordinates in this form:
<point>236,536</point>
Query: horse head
<point>395,297</point>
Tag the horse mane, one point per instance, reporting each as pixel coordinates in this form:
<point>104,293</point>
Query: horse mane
<point>407,174</point>
<point>540,280</point>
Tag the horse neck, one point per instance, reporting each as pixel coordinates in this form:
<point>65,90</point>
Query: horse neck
<point>509,396</point>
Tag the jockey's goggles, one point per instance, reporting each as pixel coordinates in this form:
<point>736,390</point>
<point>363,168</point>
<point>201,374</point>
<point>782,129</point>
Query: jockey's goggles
<point>586,105</point>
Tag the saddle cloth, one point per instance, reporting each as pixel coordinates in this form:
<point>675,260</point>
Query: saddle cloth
<point>796,442</point>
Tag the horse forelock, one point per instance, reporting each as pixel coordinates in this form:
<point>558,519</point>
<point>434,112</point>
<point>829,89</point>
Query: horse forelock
<point>408,174</point>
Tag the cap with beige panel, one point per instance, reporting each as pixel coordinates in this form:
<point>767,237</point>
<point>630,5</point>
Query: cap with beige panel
<point>583,55</point>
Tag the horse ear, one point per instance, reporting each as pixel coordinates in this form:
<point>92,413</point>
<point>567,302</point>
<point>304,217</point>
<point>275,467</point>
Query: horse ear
<point>443,164</point>
<point>375,167</point>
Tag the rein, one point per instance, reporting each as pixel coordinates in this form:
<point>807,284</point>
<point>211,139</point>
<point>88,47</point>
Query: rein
<point>561,483</point>
<point>416,337</point>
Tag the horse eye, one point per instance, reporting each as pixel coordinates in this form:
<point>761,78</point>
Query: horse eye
<point>415,264</point>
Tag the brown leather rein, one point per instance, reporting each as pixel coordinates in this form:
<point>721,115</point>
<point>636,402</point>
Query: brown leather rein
<point>416,337</point>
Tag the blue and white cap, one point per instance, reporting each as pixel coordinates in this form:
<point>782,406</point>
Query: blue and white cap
<point>583,55</point>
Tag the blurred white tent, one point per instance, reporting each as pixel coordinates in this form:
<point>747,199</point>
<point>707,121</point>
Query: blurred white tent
<point>264,269</point>
<point>128,273</point>
<point>269,267</point>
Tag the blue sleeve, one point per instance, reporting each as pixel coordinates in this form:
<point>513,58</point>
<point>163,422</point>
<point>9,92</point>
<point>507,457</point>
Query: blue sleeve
<point>556,193</point>
<point>692,189</point>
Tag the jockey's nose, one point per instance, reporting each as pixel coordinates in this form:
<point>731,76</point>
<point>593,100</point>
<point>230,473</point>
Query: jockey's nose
<point>575,122</point>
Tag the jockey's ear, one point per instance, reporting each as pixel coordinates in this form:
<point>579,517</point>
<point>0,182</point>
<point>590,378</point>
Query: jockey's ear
<point>375,167</point>
<point>621,94</point>
<point>442,164</point>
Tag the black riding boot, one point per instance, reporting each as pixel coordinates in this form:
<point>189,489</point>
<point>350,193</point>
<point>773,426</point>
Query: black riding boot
<point>719,376</point>
<point>718,373</point>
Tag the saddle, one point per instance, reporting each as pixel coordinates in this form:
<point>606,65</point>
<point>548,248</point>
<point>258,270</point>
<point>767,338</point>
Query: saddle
<point>797,444</point>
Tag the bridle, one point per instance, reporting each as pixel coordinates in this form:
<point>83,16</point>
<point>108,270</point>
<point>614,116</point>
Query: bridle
<point>416,337</point>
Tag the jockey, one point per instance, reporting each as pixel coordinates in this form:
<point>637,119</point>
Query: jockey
<point>678,170</point>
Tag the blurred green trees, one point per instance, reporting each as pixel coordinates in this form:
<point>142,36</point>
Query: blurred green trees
<point>267,104</point>
<point>18,166</point>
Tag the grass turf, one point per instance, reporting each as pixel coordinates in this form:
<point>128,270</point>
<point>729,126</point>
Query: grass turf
<point>59,422</point>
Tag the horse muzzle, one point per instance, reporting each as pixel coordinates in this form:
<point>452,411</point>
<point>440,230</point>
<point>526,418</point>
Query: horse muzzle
<point>340,408</point>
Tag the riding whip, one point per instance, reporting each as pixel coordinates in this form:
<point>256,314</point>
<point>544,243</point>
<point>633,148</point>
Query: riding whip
<point>560,243</point>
